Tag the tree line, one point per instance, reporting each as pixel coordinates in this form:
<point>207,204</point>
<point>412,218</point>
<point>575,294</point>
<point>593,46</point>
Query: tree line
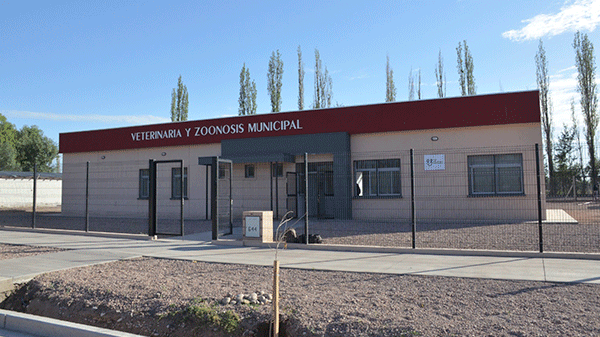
<point>323,93</point>
<point>561,155</point>
<point>21,149</point>
<point>564,155</point>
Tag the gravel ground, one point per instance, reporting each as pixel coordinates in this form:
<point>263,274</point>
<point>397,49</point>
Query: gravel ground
<point>152,296</point>
<point>15,251</point>
<point>583,237</point>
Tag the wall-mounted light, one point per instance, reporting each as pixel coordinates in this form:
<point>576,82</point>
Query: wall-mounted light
<point>434,138</point>
<point>163,154</point>
<point>103,157</point>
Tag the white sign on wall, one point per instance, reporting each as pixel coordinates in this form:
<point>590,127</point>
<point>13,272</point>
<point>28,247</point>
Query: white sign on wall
<point>252,226</point>
<point>435,162</point>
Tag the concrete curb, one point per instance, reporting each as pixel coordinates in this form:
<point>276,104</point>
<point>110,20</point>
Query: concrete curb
<point>81,233</point>
<point>49,327</point>
<point>423,251</point>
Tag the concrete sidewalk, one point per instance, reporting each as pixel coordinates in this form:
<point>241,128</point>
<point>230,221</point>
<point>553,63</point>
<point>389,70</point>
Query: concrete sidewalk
<point>89,249</point>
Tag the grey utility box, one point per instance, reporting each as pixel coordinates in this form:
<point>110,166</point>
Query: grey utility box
<point>258,226</point>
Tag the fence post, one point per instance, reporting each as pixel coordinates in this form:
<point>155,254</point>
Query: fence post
<point>539,196</point>
<point>206,185</point>
<point>87,196</point>
<point>214,207</point>
<point>413,219</point>
<point>151,198</point>
<point>277,189</point>
<point>34,195</point>
<point>181,186</point>
<point>271,182</point>
<point>306,197</point>
<point>231,197</point>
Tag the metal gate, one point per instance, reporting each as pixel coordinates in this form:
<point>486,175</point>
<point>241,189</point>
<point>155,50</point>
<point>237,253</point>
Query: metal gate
<point>224,199</point>
<point>168,189</point>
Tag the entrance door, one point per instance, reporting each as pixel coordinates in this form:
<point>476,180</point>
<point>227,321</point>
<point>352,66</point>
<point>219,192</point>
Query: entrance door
<point>321,200</point>
<point>292,193</point>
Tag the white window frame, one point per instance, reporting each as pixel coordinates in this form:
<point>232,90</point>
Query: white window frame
<point>374,176</point>
<point>494,166</point>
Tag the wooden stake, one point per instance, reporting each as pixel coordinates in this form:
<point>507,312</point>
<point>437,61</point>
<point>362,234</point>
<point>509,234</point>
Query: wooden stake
<point>276,298</point>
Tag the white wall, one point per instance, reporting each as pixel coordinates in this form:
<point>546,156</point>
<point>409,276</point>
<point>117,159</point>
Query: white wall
<point>18,193</point>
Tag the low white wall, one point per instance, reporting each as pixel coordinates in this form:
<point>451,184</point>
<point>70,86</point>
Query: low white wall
<point>18,193</point>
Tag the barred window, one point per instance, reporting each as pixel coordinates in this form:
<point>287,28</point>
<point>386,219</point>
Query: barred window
<point>496,174</point>
<point>277,170</point>
<point>376,178</point>
<point>144,188</point>
<point>176,182</point>
<point>249,171</point>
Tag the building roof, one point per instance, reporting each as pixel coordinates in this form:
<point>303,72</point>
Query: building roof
<point>466,111</point>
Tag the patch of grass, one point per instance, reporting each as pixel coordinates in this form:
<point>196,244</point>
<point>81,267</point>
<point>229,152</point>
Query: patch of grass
<point>226,320</point>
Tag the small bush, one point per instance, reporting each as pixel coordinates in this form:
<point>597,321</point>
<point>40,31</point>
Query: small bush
<point>227,320</point>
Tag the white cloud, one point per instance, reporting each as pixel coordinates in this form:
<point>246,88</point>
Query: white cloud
<point>579,15</point>
<point>563,88</point>
<point>105,119</point>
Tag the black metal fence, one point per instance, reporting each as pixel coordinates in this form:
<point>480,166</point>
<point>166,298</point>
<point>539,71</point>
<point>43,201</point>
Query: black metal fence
<point>477,198</point>
<point>109,197</point>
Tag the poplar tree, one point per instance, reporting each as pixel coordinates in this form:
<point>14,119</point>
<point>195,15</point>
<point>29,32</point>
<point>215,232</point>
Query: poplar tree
<point>440,76</point>
<point>390,87</point>
<point>419,85</point>
<point>179,102</point>
<point>247,100</point>
<point>577,136</point>
<point>465,67</point>
<point>274,76</point>
<point>543,84</point>
<point>300,80</point>
<point>323,85</point>
<point>411,85</point>
<point>586,86</point>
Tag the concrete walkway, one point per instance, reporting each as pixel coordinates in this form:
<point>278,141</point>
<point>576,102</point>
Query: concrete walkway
<point>93,249</point>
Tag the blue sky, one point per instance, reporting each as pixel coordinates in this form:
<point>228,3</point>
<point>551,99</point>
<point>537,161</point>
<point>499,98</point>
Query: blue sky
<point>82,65</point>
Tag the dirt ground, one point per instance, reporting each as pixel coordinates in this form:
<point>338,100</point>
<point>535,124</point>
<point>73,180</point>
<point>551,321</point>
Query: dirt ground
<point>160,297</point>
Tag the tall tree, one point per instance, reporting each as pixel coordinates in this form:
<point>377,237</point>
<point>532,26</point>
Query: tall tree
<point>543,84</point>
<point>465,68</point>
<point>8,142</point>
<point>577,137</point>
<point>419,85</point>
<point>300,80</point>
<point>179,102</point>
<point>414,89</point>
<point>274,76</point>
<point>323,85</point>
<point>411,85</point>
<point>34,147</point>
<point>440,76</point>
<point>586,86</point>
<point>390,87</point>
<point>247,98</point>
<point>8,158</point>
<point>566,167</point>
